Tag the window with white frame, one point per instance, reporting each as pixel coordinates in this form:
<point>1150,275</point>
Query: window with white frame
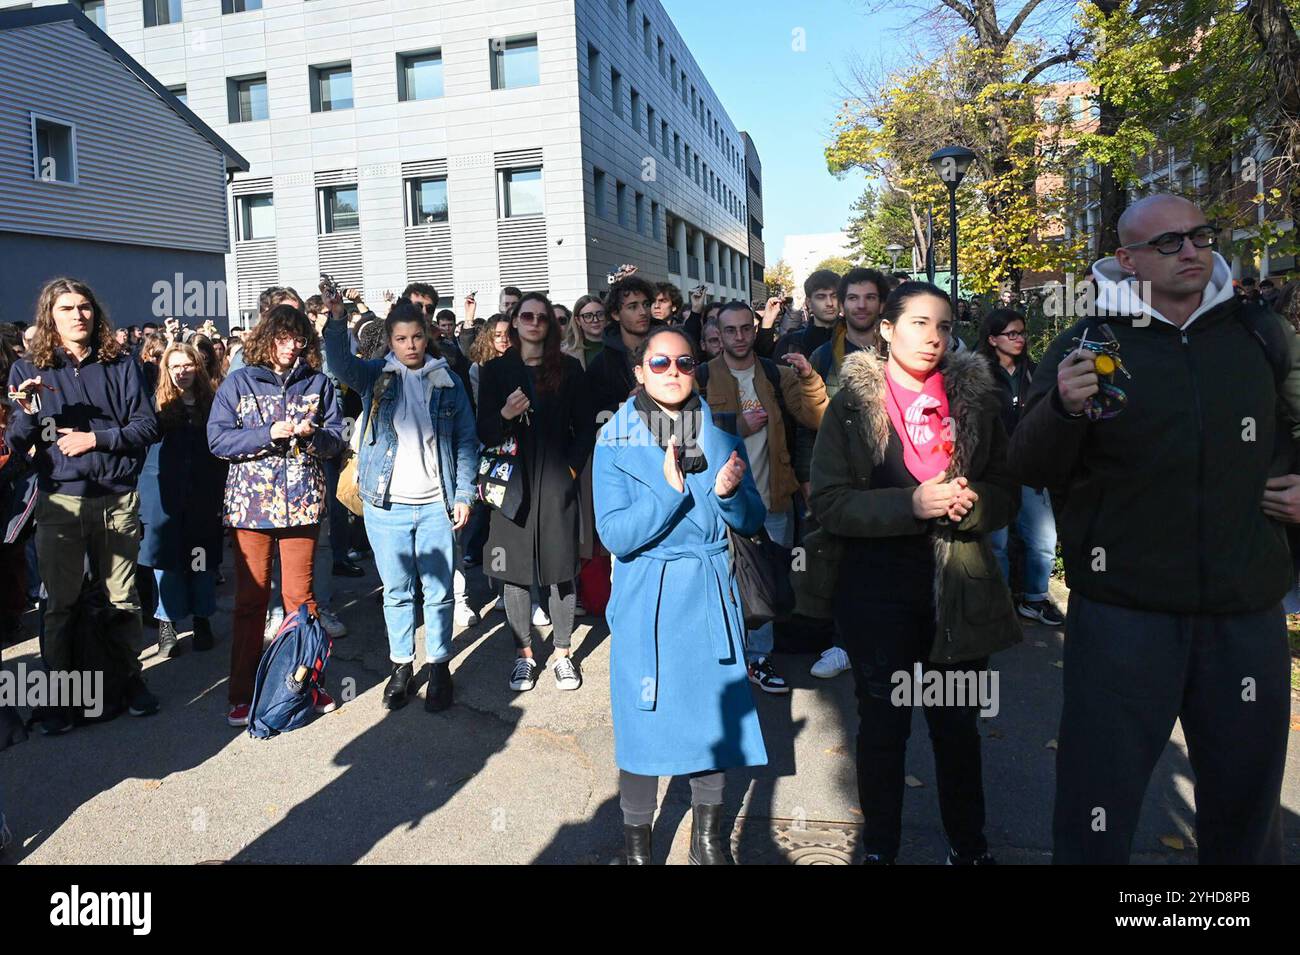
<point>256,217</point>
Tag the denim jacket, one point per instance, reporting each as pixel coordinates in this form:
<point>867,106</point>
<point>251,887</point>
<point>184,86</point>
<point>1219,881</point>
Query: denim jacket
<point>449,410</point>
<point>274,482</point>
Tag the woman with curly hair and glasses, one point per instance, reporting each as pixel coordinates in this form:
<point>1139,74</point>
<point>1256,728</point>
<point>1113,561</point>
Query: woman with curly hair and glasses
<point>275,420</point>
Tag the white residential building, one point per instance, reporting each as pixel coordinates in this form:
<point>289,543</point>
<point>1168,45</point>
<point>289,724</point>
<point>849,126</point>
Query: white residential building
<point>803,253</point>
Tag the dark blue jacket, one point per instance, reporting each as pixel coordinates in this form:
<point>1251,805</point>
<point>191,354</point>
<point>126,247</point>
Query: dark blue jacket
<point>107,398</point>
<point>181,490</point>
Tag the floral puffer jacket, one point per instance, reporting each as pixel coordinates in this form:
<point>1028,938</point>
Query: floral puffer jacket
<point>274,483</point>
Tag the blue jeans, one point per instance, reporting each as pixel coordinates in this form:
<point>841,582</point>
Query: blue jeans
<point>758,643</point>
<point>1037,527</point>
<point>185,593</point>
<point>410,541</point>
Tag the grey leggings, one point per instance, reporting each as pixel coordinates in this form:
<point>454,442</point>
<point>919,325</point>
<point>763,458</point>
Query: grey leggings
<point>639,795</point>
<point>519,613</point>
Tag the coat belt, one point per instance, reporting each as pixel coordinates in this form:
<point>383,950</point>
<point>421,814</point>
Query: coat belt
<point>715,561</point>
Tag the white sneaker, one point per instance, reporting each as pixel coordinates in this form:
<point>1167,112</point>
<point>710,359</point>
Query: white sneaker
<point>274,620</point>
<point>566,673</point>
<point>524,675</point>
<point>335,627</point>
<point>833,662</point>
<point>539,617</point>
<point>465,616</point>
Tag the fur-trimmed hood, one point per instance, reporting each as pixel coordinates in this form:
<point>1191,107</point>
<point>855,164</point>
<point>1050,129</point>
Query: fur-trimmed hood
<point>967,381</point>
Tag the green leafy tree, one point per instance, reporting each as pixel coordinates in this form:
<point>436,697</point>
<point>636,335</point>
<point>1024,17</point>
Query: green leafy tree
<point>779,278</point>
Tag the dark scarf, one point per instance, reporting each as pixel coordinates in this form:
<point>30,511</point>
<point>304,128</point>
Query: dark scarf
<point>686,427</point>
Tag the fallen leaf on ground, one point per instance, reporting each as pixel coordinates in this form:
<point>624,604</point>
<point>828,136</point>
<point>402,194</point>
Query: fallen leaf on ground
<point>1173,842</point>
<point>1059,664</point>
<point>1050,744</point>
<point>152,783</point>
<point>913,781</point>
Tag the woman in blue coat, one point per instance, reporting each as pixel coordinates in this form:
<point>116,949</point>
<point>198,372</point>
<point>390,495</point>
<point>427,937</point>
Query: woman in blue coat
<point>668,484</point>
<point>181,489</point>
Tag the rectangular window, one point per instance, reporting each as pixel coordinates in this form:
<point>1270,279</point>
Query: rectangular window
<point>631,17</point>
<point>248,99</point>
<point>240,6</point>
<point>663,138</point>
<point>636,110</point>
<point>645,37</point>
<point>616,91</point>
<point>620,202</point>
<point>697,169</point>
<point>660,42</point>
<point>426,201</point>
<point>419,75</point>
<point>654,220</point>
<point>593,69</point>
<point>331,88</point>
<point>95,10</point>
<point>672,61</point>
<point>640,214</point>
<point>54,150</point>
<point>159,13</point>
<point>677,150</point>
<point>514,63</point>
<point>598,186</point>
<point>256,217</point>
<point>521,192</point>
<point>651,124</point>
<point>180,93</point>
<point>683,88</point>
<point>338,209</point>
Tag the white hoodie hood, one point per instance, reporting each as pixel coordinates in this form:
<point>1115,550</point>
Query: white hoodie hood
<point>1117,290</point>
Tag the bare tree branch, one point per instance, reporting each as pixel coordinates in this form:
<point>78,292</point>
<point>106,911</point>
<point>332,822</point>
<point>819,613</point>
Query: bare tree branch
<point>965,12</point>
<point>1019,19</point>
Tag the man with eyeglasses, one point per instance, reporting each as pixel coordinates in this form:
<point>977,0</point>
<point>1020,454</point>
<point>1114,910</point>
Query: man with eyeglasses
<point>751,396</point>
<point>1176,567</point>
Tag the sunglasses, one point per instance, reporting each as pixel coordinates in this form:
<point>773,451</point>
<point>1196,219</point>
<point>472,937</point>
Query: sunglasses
<point>532,317</point>
<point>660,364</point>
<point>1171,243</point>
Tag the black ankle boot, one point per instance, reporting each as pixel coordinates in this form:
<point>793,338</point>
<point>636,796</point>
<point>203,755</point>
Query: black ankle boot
<point>168,646</point>
<point>438,691</point>
<point>708,844</point>
<point>398,689</point>
<point>636,845</point>
<point>203,639</point>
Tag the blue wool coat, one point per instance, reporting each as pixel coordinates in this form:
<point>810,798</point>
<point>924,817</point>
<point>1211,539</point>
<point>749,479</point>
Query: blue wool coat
<point>680,696</point>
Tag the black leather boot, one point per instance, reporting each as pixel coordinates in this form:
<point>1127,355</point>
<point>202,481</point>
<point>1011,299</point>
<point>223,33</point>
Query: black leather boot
<point>203,639</point>
<point>438,691</point>
<point>168,645</point>
<point>636,845</point>
<point>708,844</point>
<point>398,690</point>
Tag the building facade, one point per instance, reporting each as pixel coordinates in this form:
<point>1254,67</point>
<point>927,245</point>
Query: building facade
<point>474,145</point>
<point>754,185</point>
<point>105,177</point>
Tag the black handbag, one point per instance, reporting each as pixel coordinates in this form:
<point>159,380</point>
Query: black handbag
<point>501,481</point>
<point>762,578</point>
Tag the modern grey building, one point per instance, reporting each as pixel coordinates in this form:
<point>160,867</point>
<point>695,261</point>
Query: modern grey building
<point>471,144</point>
<point>105,177</point>
<point>754,185</point>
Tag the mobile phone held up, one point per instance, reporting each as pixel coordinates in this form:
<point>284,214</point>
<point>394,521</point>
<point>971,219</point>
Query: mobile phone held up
<point>329,288</point>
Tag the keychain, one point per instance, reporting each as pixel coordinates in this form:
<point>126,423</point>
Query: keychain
<point>1110,399</point>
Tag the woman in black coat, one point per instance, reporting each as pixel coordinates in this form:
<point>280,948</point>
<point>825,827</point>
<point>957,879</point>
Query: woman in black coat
<point>538,396</point>
<point>181,489</point>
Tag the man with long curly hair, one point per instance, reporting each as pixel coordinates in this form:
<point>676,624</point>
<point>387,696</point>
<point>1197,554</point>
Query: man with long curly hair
<point>82,405</point>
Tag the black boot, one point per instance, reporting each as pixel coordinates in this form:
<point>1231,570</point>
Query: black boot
<point>438,691</point>
<point>203,638</point>
<point>636,845</point>
<point>708,845</point>
<point>399,686</point>
<point>168,645</point>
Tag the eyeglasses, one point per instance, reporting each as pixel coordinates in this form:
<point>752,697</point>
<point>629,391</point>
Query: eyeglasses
<point>660,363</point>
<point>532,317</point>
<point>1171,243</point>
<point>1014,336</point>
<point>593,315</point>
<point>295,342</point>
<point>186,367</point>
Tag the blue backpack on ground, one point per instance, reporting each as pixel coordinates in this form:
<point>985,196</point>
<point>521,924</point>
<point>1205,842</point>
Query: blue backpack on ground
<point>288,676</point>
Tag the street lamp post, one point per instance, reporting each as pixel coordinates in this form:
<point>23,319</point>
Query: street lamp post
<point>951,164</point>
<point>893,249</point>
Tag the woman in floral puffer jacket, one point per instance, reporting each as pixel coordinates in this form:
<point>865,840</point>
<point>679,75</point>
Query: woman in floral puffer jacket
<point>275,420</point>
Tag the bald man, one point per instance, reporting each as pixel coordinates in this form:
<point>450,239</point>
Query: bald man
<point>1176,569</point>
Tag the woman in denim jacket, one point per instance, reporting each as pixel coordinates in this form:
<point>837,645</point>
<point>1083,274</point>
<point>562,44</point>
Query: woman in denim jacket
<point>275,420</point>
<point>415,475</point>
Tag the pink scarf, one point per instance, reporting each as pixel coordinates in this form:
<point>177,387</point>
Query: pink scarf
<point>920,418</point>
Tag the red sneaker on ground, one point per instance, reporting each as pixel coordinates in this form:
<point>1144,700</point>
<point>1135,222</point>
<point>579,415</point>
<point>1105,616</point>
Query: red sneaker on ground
<point>324,703</point>
<point>238,715</point>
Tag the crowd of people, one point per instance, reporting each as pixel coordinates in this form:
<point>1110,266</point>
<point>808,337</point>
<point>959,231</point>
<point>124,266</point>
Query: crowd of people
<point>634,438</point>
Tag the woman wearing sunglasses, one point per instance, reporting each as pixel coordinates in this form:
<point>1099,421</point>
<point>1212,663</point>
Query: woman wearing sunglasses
<point>1003,343</point>
<point>668,485</point>
<point>909,475</point>
<point>537,395</point>
<point>275,420</point>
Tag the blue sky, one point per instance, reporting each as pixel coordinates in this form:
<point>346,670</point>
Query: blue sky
<point>786,100</point>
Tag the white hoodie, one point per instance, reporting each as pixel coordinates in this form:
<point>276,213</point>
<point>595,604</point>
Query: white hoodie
<point>415,477</point>
<point>1117,290</point>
